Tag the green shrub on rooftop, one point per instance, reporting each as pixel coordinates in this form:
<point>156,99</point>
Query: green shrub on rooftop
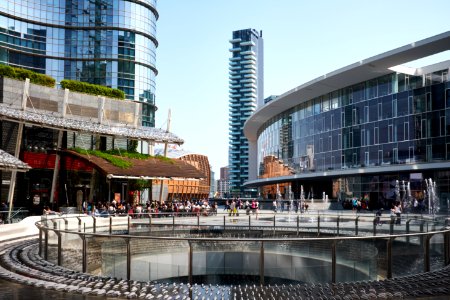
<point>22,74</point>
<point>115,156</point>
<point>92,89</point>
<point>113,159</point>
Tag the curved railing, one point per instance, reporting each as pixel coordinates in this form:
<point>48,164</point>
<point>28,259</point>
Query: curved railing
<point>256,248</point>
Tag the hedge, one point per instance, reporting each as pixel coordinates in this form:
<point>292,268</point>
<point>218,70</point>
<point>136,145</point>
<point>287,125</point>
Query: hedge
<point>92,89</point>
<point>22,74</point>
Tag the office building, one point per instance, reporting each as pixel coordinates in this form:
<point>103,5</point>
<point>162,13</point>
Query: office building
<point>377,128</point>
<point>223,183</point>
<point>106,42</point>
<point>246,93</point>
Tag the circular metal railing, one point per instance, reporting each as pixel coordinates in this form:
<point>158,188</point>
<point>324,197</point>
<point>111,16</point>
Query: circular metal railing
<point>257,248</point>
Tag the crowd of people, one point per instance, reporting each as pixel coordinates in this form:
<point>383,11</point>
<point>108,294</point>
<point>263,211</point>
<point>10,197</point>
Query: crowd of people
<point>233,206</point>
<point>139,210</point>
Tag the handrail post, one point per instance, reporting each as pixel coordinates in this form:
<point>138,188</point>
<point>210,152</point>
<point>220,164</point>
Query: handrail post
<point>261,264</point>
<point>375,226</point>
<point>84,253</point>
<point>128,223</point>
<point>58,234</point>
<point>110,225</point>
<point>446,248</point>
<point>391,226</point>
<point>94,224</point>
<point>150,222</point>
<point>190,263</point>
<point>46,244</point>
<point>298,224</point>
<point>318,225</point>
<point>173,222</point>
<point>128,259</point>
<point>407,230</point>
<point>79,224</point>
<point>40,241</point>
<point>333,261</point>
<point>426,253</point>
<point>224,218</point>
<point>249,223</point>
<point>389,258</point>
<point>337,225</point>
<point>274,226</point>
<point>356,225</point>
<point>198,222</point>
<point>55,224</point>
<point>66,223</point>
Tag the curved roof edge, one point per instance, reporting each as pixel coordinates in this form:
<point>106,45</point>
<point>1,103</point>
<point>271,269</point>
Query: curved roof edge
<point>363,70</point>
<point>347,172</point>
<point>41,118</point>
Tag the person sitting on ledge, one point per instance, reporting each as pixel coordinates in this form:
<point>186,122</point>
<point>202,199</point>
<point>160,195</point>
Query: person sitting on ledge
<point>48,211</point>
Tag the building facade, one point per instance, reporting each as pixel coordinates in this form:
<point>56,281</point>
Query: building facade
<point>246,93</point>
<point>48,128</point>
<point>106,42</point>
<point>186,189</point>
<point>375,128</point>
<point>223,183</point>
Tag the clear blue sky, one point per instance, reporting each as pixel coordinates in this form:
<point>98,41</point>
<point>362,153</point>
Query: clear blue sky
<point>302,41</point>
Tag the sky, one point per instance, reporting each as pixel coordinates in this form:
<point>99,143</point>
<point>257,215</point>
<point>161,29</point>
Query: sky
<point>302,41</point>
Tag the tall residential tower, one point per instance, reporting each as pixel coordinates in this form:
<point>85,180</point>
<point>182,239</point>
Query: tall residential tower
<point>246,93</point>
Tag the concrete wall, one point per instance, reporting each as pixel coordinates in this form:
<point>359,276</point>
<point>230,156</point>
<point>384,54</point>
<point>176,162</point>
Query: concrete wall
<point>80,106</point>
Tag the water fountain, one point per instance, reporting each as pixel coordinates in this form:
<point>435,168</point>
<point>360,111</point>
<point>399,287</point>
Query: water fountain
<point>433,200</point>
<point>291,202</point>
<point>407,198</point>
<point>279,199</point>
<point>302,198</point>
<point>397,191</point>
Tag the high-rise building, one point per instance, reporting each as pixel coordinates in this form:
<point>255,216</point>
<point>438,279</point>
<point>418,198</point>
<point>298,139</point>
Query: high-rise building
<point>106,42</point>
<point>246,93</point>
<point>223,183</point>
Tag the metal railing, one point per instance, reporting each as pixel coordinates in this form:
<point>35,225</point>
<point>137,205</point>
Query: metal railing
<point>185,247</point>
<point>16,215</point>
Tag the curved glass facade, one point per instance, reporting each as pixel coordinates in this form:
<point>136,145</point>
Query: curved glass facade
<point>107,42</point>
<point>376,128</point>
<point>394,119</point>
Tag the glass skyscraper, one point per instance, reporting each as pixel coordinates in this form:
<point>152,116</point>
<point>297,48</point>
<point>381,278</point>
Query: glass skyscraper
<point>106,42</point>
<point>246,93</point>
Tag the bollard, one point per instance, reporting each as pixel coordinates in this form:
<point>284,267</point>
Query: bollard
<point>356,225</point>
